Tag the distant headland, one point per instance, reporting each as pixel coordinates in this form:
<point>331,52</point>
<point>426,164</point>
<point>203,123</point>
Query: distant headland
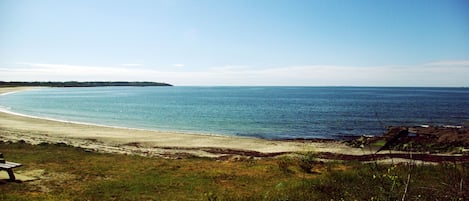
<point>80,84</point>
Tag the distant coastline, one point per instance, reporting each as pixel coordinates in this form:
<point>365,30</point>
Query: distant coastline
<point>81,84</point>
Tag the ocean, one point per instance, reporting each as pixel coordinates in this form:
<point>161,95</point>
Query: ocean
<point>262,112</point>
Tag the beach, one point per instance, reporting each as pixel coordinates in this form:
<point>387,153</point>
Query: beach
<point>147,142</point>
<point>65,161</point>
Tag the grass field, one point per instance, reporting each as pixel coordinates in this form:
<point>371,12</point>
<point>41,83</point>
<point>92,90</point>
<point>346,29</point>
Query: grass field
<point>68,173</point>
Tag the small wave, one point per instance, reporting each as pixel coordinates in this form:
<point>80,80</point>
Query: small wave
<point>7,93</point>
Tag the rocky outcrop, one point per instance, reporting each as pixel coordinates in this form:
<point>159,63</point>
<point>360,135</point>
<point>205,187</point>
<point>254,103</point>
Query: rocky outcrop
<point>433,139</point>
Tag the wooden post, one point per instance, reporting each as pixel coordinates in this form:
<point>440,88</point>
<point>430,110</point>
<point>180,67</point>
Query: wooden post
<point>11,175</point>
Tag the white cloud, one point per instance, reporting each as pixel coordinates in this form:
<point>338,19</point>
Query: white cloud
<point>316,75</point>
<point>131,64</point>
<point>178,65</point>
<point>230,68</point>
<point>450,63</point>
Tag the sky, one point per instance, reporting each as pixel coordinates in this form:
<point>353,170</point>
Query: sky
<point>237,42</point>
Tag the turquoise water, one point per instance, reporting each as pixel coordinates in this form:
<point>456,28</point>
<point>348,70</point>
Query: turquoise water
<point>264,112</point>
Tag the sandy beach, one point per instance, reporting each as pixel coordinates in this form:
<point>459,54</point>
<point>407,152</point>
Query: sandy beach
<point>144,142</point>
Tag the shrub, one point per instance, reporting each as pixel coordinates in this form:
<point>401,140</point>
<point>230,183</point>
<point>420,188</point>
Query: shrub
<point>307,161</point>
<point>283,164</point>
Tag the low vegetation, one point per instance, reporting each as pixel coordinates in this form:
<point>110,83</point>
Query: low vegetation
<point>79,84</point>
<point>68,173</point>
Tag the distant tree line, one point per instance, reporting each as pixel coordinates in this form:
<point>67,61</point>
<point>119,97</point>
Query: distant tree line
<point>79,84</point>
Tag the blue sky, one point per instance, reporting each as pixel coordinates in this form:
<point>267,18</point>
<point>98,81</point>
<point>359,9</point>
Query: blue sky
<point>254,42</point>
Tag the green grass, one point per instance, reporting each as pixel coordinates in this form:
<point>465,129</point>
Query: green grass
<point>75,174</point>
<point>379,143</point>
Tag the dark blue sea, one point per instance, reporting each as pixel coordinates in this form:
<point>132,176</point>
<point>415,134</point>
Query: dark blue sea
<point>263,112</point>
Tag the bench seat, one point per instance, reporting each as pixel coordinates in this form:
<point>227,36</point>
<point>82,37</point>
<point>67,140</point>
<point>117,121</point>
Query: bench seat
<point>8,166</point>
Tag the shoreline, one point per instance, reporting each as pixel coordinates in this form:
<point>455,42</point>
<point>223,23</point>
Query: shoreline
<point>114,127</point>
<point>11,90</point>
<point>17,127</point>
<point>2,110</point>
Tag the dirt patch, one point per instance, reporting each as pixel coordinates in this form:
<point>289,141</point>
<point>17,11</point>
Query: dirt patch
<point>42,181</point>
<point>243,152</point>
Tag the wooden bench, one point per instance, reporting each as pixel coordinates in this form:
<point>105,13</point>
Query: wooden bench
<point>8,166</point>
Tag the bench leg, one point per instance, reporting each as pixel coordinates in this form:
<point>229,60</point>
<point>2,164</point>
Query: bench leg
<point>11,175</point>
